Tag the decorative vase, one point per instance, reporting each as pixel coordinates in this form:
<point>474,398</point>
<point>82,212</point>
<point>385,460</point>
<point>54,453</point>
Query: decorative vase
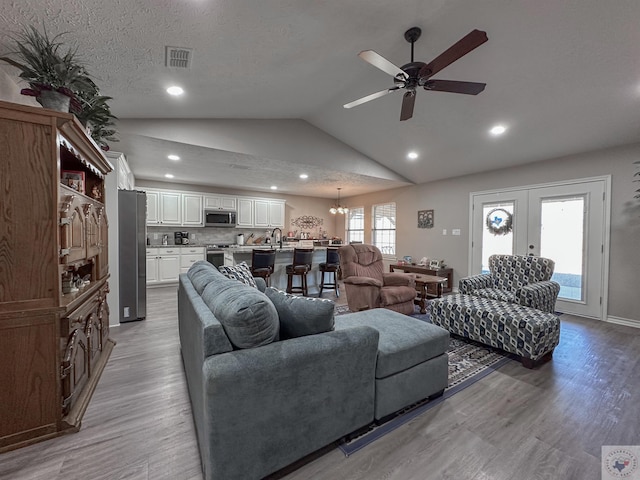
<point>54,100</point>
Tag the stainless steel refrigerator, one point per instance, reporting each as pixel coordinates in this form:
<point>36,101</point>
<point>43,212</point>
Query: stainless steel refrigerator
<point>132,234</point>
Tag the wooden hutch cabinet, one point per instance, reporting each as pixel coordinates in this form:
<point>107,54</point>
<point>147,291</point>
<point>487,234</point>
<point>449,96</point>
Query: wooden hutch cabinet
<point>54,267</point>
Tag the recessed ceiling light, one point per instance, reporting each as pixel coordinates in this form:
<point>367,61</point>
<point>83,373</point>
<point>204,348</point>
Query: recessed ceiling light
<point>168,175</point>
<point>273,187</point>
<point>175,90</point>
<point>304,176</point>
<point>498,130</point>
<point>412,155</point>
<point>173,157</point>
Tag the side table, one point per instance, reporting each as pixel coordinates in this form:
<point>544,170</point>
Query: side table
<point>442,272</point>
<point>423,282</point>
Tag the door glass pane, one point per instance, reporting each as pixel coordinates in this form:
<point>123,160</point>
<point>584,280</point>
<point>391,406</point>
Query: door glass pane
<point>495,244</point>
<point>562,240</point>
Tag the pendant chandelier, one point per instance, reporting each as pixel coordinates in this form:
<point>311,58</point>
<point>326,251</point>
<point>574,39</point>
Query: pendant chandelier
<point>337,208</point>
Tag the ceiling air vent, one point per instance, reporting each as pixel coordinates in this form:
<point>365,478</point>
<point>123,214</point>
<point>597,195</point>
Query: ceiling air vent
<point>178,57</point>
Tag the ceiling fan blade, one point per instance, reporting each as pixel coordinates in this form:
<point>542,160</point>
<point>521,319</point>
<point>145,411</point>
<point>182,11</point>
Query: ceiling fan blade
<point>368,98</point>
<point>408,101</point>
<point>463,46</point>
<point>382,63</point>
<point>453,86</point>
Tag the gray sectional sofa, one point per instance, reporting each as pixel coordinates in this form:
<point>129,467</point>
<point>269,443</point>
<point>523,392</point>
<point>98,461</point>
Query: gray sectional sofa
<point>272,378</point>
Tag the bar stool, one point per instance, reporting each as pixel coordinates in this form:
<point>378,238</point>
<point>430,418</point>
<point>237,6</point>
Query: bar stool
<point>262,263</point>
<point>331,265</point>
<point>302,259</point>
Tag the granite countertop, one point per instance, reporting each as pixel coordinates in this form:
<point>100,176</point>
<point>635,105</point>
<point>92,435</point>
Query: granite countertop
<point>285,248</point>
<point>191,245</point>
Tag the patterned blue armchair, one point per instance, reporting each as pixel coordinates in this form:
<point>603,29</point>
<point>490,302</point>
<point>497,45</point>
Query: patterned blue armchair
<point>519,279</point>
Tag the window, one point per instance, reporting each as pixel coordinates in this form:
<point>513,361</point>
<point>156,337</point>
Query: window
<point>384,228</point>
<point>355,225</point>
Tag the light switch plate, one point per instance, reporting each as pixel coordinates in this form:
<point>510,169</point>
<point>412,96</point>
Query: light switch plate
<point>444,231</point>
<point>455,231</point>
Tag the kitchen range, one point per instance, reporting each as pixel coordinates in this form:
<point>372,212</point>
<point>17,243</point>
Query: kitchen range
<point>215,253</point>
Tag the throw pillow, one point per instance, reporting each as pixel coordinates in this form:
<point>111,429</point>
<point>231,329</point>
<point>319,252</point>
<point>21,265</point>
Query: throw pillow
<point>301,316</point>
<point>240,272</point>
<point>248,317</point>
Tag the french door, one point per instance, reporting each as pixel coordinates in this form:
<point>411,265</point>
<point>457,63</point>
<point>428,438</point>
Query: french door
<point>565,222</point>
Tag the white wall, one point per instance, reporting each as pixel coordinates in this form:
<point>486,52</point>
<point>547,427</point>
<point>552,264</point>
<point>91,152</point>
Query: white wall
<point>450,200</point>
<point>10,91</point>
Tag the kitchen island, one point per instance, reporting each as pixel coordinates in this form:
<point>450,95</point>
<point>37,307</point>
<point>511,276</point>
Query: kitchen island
<point>284,257</point>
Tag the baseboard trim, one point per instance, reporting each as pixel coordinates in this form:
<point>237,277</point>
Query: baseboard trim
<point>628,322</point>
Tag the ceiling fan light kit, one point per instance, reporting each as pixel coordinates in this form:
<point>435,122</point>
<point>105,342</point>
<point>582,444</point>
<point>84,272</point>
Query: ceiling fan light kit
<point>417,74</point>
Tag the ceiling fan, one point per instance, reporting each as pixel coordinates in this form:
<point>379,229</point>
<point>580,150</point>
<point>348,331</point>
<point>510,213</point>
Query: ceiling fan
<point>418,74</point>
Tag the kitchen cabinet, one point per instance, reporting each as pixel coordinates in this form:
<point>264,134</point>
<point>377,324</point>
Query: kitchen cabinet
<point>126,180</point>
<point>153,209</point>
<point>192,213</point>
<point>177,209</point>
<point>260,213</point>
<point>189,256</point>
<point>244,217</point>
<point>54,335</point>
<point>219,202</point>
<point>164,264</point>
<point>168,268</point>
<point>170,208</point>
<point>268,213</point>
<point>152,268</point>
<point>164,208</point>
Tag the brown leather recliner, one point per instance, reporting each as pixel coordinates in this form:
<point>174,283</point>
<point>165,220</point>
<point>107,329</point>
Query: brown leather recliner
<point>369,286</point>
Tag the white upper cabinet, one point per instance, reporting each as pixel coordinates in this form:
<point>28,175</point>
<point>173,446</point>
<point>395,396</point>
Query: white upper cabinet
<point>261,213</point>
<point>170,208</point>
<point>266,213</point>
<point>153,212</point>
<point>192,213</point>
<point>245,212</point>
<point>276,213</point>
<point>220,202</point>
<point>165,207</point>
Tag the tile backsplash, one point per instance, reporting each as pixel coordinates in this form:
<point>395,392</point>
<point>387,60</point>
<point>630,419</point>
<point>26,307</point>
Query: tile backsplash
<point>203,235</point>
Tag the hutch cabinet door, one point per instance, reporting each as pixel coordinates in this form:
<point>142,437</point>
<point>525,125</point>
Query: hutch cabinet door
<point>73,233</point>
<point>93,230</point>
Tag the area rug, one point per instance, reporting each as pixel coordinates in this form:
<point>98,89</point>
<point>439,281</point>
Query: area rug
<point>468,362</point>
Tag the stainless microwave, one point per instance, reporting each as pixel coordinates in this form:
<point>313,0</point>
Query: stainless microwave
<point>219,218</point>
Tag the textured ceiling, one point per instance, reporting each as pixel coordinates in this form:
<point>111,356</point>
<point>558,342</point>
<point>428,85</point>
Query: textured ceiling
<point>562,75</point>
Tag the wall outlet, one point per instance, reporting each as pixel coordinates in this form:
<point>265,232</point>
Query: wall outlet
<point>155,236</point>
<point>455,231</point>
<point>126,312</point>
<point>444,231</point>
<point>193,236</point>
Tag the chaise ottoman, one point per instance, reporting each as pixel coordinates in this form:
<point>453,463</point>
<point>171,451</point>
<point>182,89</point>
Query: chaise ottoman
<point>530,333</point>
<point>412,362</point>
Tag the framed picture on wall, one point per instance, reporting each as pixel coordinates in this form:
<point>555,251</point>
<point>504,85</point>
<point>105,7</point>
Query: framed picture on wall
<point>73,179</point>
<point>425,218</point>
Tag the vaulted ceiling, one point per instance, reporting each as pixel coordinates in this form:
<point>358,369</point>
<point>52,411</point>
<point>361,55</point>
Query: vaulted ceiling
<point>264,94</point>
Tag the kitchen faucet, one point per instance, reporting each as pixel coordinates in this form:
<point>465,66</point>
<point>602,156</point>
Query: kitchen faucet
<point>279,238</point>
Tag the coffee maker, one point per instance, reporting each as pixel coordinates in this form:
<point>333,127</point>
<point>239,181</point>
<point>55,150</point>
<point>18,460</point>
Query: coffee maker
<point>181,238</point>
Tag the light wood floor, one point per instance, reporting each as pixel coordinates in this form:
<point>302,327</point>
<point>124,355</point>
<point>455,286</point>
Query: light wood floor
<point>548,423</point>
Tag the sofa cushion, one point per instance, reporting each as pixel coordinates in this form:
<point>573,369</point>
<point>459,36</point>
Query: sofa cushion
<point>240,272</point>
<point>404,341</point>
<point>201,274</point>
<point>301,316</point>
<point>248,317</point>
